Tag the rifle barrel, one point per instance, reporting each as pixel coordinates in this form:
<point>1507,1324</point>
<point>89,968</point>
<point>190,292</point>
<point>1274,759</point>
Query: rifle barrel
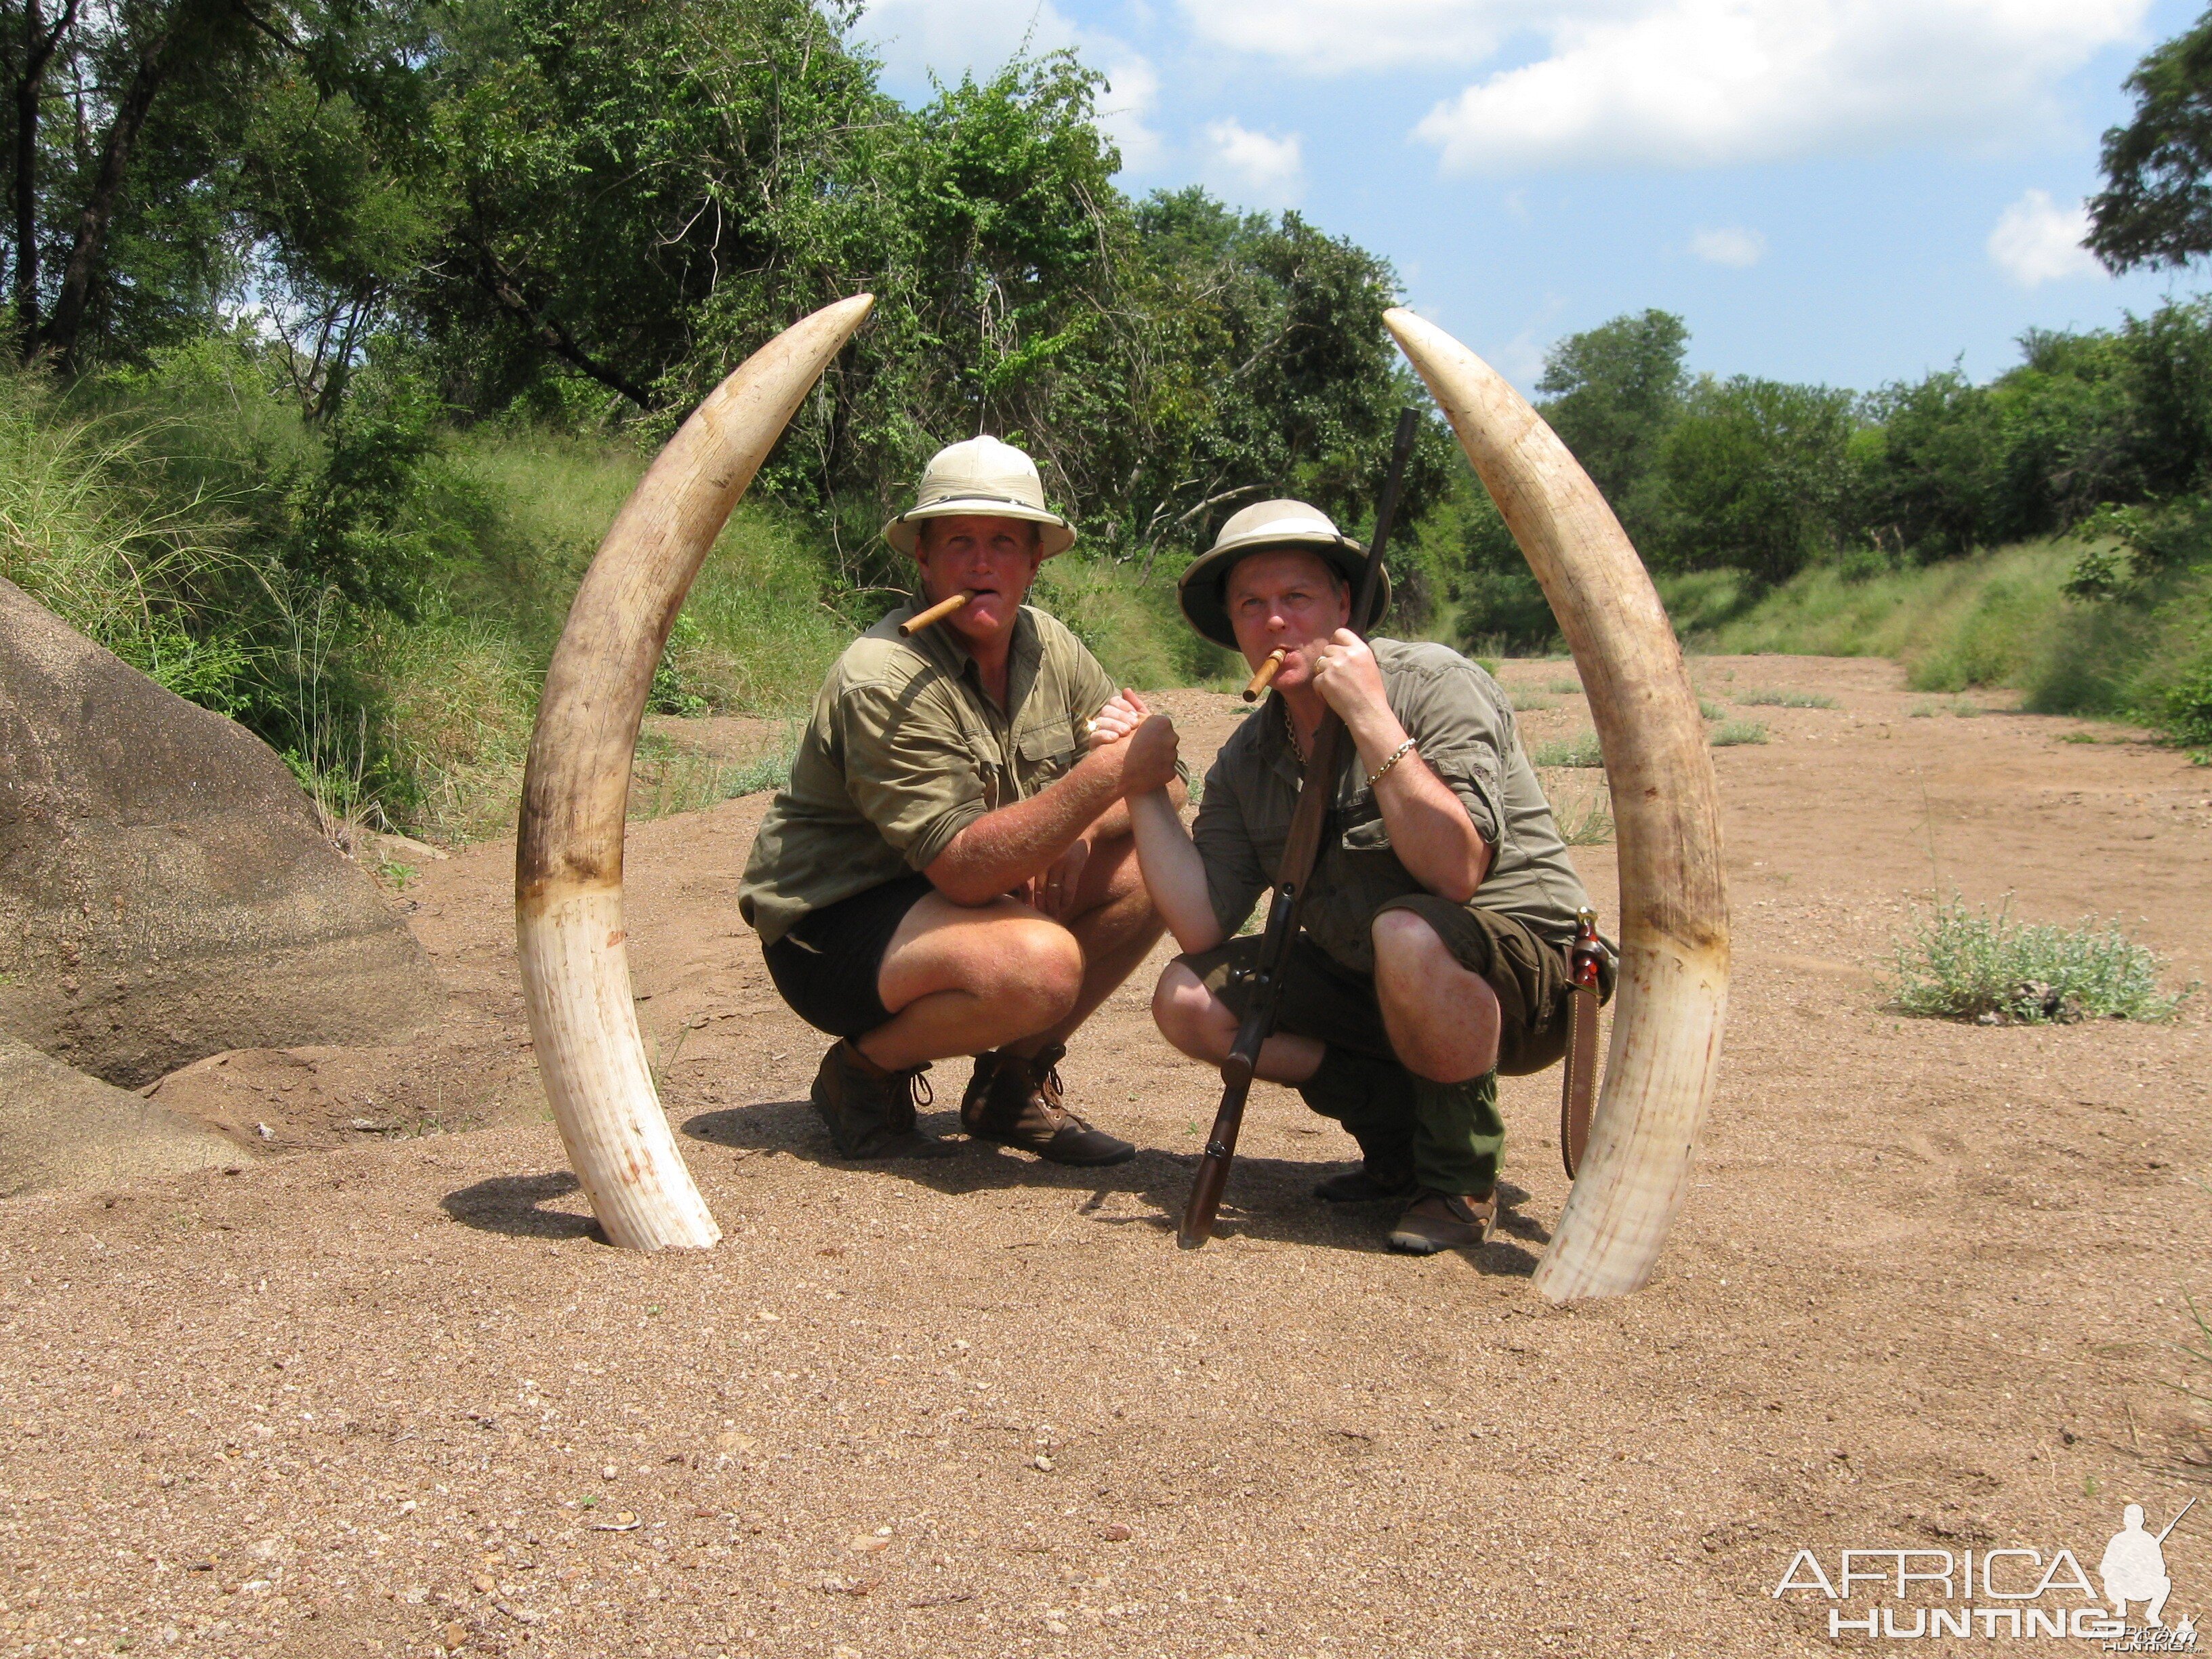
<point>2176,1522</point>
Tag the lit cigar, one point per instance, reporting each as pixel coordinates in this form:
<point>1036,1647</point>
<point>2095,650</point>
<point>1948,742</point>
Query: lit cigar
<point>1268,669</point>
<point>936,613</point>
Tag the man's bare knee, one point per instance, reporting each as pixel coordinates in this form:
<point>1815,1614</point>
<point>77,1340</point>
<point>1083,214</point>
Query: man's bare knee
<point>1404,941</point>
<point>1184,1010</point>
<point>1037,966</point>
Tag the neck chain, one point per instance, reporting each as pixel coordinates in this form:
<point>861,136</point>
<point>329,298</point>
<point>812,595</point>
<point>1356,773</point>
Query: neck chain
<point>1291,729</point>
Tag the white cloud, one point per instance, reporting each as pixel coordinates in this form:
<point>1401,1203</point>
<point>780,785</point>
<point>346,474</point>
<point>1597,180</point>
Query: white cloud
<point>1258,168</point>
<point>953,38</point>
<point>1731,245</point>
<point>1326,36</point>
<point>2037,241</point>
<point>1711,82</point>
<point>950,39</point>
<point>1133,90</point>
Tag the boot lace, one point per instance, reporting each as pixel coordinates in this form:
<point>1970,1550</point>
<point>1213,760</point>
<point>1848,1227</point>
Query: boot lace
<point>918,1091</point>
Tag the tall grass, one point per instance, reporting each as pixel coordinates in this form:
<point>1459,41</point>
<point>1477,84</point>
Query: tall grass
<point>120,566</point>
<point>168,512</point>
<point>2000,618</point>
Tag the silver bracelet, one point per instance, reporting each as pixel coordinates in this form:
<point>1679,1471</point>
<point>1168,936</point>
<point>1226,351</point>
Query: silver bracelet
<point>1396,755</point>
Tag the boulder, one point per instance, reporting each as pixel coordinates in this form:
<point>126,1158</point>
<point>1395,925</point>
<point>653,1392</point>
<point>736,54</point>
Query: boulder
<point>61,1129</point>
<point>166,890</point>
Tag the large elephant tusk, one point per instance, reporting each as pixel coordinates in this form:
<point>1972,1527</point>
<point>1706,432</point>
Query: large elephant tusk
<point>1673,903</point>
<point>575,790</point>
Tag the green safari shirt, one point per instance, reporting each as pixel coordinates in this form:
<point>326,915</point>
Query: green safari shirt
<point>1466,734</point>
<point>905,750</point>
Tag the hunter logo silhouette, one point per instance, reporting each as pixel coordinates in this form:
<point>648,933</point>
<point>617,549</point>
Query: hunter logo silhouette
<point>2134,1565</point>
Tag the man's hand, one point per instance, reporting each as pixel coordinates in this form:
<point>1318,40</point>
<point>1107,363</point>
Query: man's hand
<point>1054,892</point>
<point>1123,714</point>
<point>1348,675</point>
<point>1149,762</point>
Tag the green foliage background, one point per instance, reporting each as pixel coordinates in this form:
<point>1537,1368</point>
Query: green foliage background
<point>344,325</point>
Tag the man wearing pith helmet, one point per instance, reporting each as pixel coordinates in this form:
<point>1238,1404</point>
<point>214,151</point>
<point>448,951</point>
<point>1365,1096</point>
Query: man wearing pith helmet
<point>950,870</point>
<point>1432,951</point>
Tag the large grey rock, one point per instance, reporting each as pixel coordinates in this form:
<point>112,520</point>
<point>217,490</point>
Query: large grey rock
<point>166,892</point>
<point>61,1129</point>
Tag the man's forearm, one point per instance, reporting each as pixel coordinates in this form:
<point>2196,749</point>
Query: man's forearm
<point>1003,849</point>
<point>1175,875</point>
<point>1430,830</point>
<point>1116,820</point>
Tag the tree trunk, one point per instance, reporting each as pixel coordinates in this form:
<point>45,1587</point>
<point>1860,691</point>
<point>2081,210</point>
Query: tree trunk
<point>60,335</point>
<point>39,44</point>
<point>507,294</point>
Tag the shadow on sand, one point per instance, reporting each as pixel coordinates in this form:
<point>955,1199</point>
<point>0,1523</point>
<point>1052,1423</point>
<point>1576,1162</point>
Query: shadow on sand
<point>514,1205</point>
<point>1268,1197</point>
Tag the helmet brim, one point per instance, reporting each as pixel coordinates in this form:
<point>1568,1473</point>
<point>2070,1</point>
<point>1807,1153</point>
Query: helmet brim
<point>1054,536</point>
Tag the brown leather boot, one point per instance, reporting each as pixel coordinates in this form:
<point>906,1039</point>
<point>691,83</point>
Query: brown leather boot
<point>1444,1221</point>
<point>870,1110</point>
<point>1018,1101</point>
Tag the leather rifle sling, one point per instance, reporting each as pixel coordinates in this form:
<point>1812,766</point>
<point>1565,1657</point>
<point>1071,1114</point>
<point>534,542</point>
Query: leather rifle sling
<point>1579,1085</point>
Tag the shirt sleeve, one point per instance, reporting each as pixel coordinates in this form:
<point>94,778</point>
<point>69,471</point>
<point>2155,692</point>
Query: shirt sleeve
<point>1462,741</point>
<point>1235,878</point>
<point>908,768</point>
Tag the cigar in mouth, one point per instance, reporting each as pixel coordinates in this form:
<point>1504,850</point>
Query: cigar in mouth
<point>1265,676</point>
<point>936,613</point>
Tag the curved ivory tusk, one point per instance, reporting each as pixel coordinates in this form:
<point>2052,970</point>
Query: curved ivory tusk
<point>575,790</point>
<point>1674,904</point>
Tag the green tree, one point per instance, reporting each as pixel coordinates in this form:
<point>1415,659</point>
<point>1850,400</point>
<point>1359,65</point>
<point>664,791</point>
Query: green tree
<point>1612,393</point>
<point>1757,473</point>
<point>2156,206</point>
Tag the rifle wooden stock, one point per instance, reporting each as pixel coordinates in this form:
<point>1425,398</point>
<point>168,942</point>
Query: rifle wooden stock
<point>1301,852</point>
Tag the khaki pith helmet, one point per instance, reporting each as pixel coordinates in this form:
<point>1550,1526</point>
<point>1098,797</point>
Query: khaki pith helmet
<point>1261,528</point>
<point>981,476</point>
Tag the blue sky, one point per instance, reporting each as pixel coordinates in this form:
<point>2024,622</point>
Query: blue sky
<point>1852,192</point>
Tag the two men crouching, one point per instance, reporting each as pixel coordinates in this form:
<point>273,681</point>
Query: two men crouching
<point>982,839</point>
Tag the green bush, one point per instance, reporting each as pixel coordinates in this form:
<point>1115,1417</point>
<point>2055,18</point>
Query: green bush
<point>1729,734</point>
<point>1958,963</point>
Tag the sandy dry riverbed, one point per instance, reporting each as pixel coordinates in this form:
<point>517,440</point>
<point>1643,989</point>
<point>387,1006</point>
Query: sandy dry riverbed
<point>388,1395</point>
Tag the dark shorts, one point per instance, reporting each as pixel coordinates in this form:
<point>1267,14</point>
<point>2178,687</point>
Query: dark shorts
<point>1324,999</point>
<point>827,965</point>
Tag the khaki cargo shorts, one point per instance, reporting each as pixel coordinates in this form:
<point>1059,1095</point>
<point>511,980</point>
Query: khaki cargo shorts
<point>1324,999</point>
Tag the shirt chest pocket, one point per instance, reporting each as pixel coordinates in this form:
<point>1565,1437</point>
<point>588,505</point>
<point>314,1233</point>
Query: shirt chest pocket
<point>1043,755</point>
<point>1364,830</point>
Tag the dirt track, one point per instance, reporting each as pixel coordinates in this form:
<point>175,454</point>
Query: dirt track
<point>393,1397</point>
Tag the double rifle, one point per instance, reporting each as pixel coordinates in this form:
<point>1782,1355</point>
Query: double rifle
<point>1316,794</point>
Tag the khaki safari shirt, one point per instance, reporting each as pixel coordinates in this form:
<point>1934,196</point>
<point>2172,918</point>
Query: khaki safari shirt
<point>904,751</point>
<point>1466,734</point>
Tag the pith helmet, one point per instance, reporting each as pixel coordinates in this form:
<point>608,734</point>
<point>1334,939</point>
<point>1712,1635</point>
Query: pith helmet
<point>981,476</point>
<point>1263,528</point>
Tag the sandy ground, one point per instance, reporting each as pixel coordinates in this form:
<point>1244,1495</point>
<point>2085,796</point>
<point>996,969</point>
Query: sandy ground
<point>393,1397</point>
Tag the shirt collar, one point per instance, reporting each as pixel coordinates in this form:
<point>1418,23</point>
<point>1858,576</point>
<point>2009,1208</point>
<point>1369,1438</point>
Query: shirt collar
<point>945,648</point>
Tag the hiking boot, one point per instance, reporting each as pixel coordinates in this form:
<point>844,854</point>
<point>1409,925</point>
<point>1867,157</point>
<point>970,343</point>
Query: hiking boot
<point>1019,1102</point>
<point>1442,1221</point>
<point>1374,1180</point>
<point>870,1110</point>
